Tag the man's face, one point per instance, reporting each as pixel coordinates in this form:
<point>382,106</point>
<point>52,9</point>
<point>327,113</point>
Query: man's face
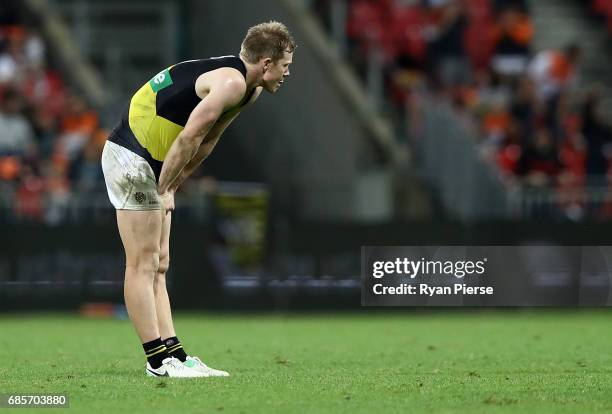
<point>275,72</point>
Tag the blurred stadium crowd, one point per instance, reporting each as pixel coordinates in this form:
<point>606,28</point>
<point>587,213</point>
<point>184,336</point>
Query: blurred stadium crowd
<point>603,9</point>
<point>535,123</point>
<point>50,139</point>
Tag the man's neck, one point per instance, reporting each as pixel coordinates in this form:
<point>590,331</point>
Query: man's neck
<point>253,78</point>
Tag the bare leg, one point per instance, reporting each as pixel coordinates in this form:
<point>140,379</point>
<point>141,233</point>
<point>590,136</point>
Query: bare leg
<point>140,232</point>
<point>162,301</point>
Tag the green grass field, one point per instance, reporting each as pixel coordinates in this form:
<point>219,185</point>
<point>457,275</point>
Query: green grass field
<point>441,362</point>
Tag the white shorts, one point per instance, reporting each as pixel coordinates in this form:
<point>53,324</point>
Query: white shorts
<point>130,181</point>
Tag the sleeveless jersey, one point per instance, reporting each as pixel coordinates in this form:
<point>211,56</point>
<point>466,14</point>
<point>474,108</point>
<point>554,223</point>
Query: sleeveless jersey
<point>159,110</point>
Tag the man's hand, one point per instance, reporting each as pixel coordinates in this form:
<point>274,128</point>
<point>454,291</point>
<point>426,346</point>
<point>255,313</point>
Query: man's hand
<point>167,201</point>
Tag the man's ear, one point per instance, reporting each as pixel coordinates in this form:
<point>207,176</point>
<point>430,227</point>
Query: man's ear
<point>266,64</point>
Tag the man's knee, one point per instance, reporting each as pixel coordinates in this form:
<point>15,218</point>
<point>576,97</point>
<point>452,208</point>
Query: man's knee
<point>147,263</point>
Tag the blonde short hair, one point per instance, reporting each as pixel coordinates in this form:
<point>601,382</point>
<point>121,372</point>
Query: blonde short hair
<point>271,39</point>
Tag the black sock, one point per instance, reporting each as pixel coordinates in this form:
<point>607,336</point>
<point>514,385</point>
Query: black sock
<point>156,352</point>
<point>175,349</point>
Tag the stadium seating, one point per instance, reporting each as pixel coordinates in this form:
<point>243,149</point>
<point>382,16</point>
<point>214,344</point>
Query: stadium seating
<point>53,140</point>
<point>516,95</point>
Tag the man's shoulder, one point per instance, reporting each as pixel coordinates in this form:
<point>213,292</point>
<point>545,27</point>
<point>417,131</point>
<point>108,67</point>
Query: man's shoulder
<point>226,78</point>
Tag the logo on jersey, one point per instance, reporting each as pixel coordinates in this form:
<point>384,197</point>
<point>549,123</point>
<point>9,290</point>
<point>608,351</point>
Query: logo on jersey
<point>140,197</point>
<point>161,80</point>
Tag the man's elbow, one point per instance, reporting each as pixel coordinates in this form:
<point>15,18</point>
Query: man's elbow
<point>198,131</point>
<point>188,144</point>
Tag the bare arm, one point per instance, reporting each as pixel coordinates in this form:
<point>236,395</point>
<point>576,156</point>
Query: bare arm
<point>202,119</point>
<point>210,141</point>
<point>203,152</point>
